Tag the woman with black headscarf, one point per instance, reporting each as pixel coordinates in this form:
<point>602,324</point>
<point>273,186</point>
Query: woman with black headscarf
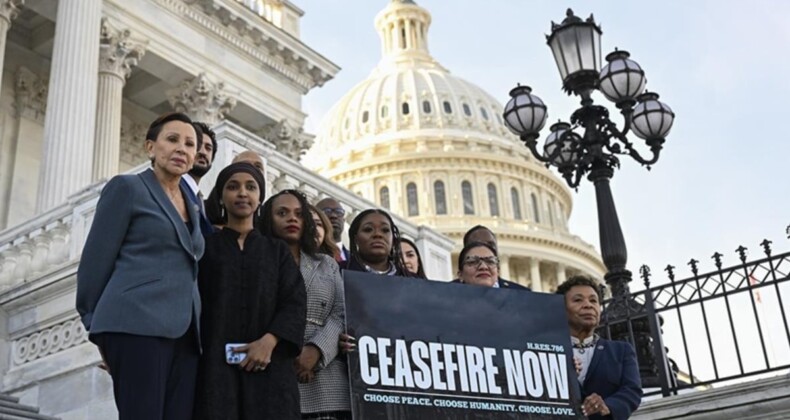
<point>253,309</point>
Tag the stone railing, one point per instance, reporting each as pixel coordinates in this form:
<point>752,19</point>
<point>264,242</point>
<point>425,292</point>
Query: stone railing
<point>48,241</point>
<point>47,341</point>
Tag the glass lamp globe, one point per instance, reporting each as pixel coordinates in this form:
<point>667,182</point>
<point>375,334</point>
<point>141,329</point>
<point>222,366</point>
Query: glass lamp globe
<point>651,119</point>
<point>622,79</point>
<point>525,114</point>
<point>564,139</point>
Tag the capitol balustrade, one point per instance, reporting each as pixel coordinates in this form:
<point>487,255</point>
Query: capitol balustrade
<point>39,259</point>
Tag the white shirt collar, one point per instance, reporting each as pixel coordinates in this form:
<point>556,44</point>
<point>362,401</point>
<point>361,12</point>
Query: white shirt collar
<point>192,184</point>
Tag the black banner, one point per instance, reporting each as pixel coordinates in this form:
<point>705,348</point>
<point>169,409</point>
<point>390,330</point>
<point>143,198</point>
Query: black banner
<point>433,350</point>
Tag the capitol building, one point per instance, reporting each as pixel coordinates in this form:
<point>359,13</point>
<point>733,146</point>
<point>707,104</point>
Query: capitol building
<point>81,81</point>
<point>432,148</point>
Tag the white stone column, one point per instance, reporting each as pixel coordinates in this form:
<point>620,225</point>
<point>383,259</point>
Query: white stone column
<point>504,267</point>
<point>534,274</point>
<point>202,100</point>
<point>560,274</point>
<point>70,122</point>
<point>8,11</point>
<point>118,53</point>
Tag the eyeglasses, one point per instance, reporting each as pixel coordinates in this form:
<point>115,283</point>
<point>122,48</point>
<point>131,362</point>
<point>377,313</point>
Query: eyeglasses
<point>475,261</point>
<point>338,211</point>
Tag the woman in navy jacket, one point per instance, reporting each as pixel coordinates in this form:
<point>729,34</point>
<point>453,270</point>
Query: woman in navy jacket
<point>609,373</point>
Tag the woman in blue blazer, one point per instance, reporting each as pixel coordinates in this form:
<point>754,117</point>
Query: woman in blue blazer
<point>136,283</point>
<point>608,371</point>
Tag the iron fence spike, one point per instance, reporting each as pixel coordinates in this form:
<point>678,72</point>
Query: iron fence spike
<point>717,258</point>
<point>671,272</point>
<point>693,264</point>
<point>741,250</point>
<point>644,270</point>
<point>766,246</point>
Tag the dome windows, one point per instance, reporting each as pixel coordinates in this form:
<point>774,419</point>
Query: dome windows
<point>411,197</point>
<point>516,203</point>
<point>466,193</point>
<point>493,200</point>
<point>426,107</point>
<point>535,208</point>
<point>447,108</point>
<point>467,110</point>
<point>440,197</point>
<point>365,116</point>
<point>384,111</point>
<point>384,197</point>
<point>404,108</point>
<point>484,113</point>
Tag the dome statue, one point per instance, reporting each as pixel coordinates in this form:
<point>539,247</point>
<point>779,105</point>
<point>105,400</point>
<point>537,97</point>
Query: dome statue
<point>433,148</point>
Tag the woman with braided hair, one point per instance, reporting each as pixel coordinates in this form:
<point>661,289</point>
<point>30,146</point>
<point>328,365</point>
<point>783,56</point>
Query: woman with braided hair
<point>373,242</point>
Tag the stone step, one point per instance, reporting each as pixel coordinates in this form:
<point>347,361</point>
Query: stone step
<point>11,414</point>
<point>10,409</point>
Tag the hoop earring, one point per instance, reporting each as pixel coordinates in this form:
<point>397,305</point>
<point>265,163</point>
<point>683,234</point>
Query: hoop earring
<point>222,210</point>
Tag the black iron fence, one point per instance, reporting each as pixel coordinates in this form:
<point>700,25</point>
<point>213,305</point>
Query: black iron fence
<point>708,329</point>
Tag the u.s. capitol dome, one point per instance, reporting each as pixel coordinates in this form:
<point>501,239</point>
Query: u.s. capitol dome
<point>432,147</point>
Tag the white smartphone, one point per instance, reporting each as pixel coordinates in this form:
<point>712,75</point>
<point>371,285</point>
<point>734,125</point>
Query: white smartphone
<point>232,356</point>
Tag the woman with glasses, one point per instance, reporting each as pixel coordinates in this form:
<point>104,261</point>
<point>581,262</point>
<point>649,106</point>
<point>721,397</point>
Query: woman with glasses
<point>478,265</point>
<point>323,377</point>
<point>337,219</point>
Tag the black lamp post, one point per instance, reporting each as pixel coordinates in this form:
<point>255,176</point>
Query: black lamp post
<point>576,45</point>
<point>595,150</point>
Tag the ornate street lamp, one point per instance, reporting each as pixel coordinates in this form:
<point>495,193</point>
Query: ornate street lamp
<point>595,150</point>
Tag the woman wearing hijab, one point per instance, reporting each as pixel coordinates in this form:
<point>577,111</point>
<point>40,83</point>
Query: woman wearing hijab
<point>253,312</point>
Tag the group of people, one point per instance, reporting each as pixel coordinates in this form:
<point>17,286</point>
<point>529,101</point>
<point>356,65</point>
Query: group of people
<point>230,306</point>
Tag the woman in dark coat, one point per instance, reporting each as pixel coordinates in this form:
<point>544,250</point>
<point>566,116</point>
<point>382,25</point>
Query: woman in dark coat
<point>322,375</point>
<point>252,295</point>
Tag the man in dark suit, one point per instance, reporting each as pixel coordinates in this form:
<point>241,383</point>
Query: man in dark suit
<point>337,216</point>
<point>608,371</point>
<point>207,151</point>
<point>483,234</point>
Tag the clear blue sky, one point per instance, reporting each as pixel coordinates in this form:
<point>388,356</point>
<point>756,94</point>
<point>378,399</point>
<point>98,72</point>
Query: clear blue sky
<point>723,67</point>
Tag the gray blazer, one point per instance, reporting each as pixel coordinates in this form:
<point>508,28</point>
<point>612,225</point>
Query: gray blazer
<point>138,270</point>
<point>325,307</point>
